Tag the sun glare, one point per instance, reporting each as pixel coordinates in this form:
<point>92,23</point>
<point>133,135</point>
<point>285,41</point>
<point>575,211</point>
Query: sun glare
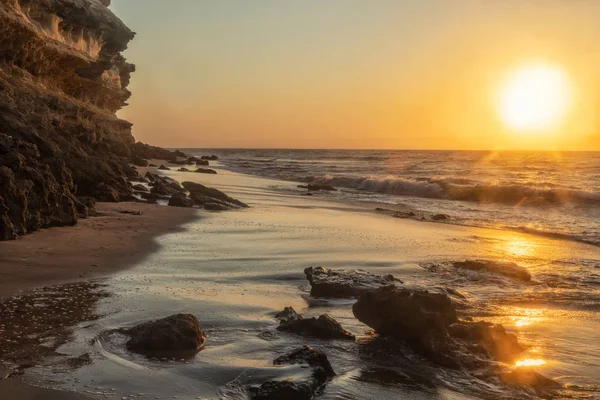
<point>535,99</point>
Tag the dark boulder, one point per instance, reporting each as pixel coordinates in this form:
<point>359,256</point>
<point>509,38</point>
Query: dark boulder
<point>180,200</point>
<point>212,158</point>
<point>164,168</point>
<point>524,378</point>
<point>175,336</point>
<point>183,169</point>
<point>216,207</point>
<point>314,187</point>
<point>340,284</point>
<point>508,269</point>
<point>321,373</point>
<point>140,188</point>
<point>497,343</point>
<point>405,314</point>
<point>205,171</point>
<point>287,314</point>
<point>203,163</point>
<point>203,195</point>
<point>323,327</point>
<point>153,196</point>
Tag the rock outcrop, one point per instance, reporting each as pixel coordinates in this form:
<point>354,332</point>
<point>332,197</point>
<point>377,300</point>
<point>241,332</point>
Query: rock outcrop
<point>210,198</point>
<point>340,284</point>
<point>428,323</point>
<point>62,78</point>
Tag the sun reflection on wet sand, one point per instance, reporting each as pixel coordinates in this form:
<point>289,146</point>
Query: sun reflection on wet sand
<point>518,245</point>
<point>530,362</point>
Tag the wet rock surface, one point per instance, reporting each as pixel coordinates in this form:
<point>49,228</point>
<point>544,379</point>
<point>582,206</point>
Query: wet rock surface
<point>180,200</point>
<point>213,198</point>
<point>179,335</point>
<point>205,171</point>
<point>428,323</point>
<point>508,269</point>
<point>322,372</point>
<point>323,327</point>
<point>341,284</point>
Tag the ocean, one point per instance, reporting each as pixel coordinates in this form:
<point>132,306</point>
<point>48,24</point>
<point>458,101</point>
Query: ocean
<point>546,193</point>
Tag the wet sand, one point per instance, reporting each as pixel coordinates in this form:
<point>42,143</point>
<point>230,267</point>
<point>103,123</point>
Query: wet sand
<point>94,248</point>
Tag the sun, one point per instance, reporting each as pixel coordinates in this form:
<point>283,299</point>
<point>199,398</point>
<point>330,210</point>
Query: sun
<point>535,99</point>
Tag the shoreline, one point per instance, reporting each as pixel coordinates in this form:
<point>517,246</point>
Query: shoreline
<point>105,244</point>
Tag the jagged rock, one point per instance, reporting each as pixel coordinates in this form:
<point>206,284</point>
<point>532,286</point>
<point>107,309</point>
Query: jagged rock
<point>212,158</point>
<point>204,163</point>
<point>508,269</point>
<point>339,284</point>
<point>315,187</point>
<point>142,179</point>
<point>180,200</point>
<point>205,171</point>
<point>427,322</point>
<point>324,327</point>
<point>153,196</point>
<point>86,207</point>
<point>322,372</point>
<point>179,153</point>
<point>164,168</point>
<point>287,314</point>
<point>177,336</point>
<point>316,359</point>
<point>203,195</point>
<point>140,188</point>
<point>216,207</point>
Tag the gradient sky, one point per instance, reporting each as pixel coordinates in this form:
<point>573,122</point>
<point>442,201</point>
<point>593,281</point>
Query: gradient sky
<point>353,74</point>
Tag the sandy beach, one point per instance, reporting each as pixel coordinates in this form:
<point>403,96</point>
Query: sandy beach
<point>235,270</point>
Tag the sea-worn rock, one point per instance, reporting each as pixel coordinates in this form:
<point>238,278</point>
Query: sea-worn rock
<point>216,207</point>
<point>440,217</point>
<point>321,373</point>
<point>180,200</point>
<point>183,169</point>
<point>315,187</point>
<point>508,269</point>
<point>140,188</point>
<point>175,336</point>
<point>528,379</point>
<point>340,284</point>
<point>428,323</point>
<point>212,158</point>
<point>323,327</point>
<point>203,195</point>
<point>202,163</point>
<point>164,168</point>
<point>205,171</point>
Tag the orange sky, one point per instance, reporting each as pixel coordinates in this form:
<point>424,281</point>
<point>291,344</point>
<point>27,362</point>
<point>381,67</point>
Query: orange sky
<point>353,74</point>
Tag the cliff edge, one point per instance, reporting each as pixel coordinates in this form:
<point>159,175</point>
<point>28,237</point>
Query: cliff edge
<point>62,79</point>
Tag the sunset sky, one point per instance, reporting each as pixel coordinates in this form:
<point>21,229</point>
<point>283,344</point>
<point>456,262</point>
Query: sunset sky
<point>370,74</point>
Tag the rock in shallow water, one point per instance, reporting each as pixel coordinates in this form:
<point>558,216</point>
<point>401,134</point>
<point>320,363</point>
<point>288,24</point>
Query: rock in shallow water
<point>314,188</point>
<point>322,372</point>
<point>180,200</point>
<point>175,336</point>
<point>508,269</point>
<point>323,327</point>
<point>341,284</point>
<point>427,322</point>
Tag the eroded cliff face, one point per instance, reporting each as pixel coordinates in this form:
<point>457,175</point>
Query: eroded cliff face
<point>62,78</point>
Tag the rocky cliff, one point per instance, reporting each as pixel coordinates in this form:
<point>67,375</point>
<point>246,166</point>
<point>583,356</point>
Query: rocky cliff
<point>62,78</point>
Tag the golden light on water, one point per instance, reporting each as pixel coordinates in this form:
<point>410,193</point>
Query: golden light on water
<point>526,316</point>
<point>530,362</point>
<point>535,99</point>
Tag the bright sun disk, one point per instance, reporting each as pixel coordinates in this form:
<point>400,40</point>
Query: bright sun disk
<point>535,99</point>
